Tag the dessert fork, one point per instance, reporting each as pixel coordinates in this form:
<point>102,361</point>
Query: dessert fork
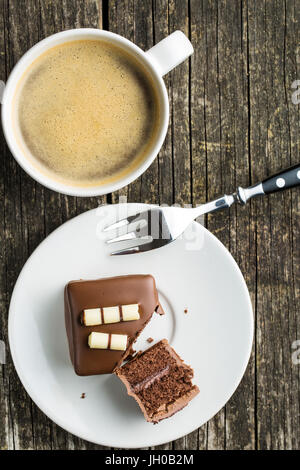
<point>159,226</point>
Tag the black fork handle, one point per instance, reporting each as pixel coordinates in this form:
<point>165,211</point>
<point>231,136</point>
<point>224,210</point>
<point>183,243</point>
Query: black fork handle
<point>285,179</point>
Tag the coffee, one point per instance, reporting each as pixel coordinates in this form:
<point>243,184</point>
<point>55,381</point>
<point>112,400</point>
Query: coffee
<point>86,112</point>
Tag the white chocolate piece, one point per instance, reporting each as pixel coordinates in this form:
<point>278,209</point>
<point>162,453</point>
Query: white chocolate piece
<point>111,314</point>
<point>92,317</point>
<point>130,312</point>
<point>98,340</point>
<point>118,342</point>
<point>103,340</point>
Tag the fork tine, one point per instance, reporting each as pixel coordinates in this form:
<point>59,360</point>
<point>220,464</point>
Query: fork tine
<point>121,238</point>
<point>147,246</point>
<point>121,222</point>
<point>128,236</point>
<point>115,225</point>
<point>135,249</point>
<point>126,251</point>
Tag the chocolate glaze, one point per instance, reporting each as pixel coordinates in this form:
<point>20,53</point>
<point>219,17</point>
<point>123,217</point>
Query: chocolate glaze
<point>122,290</point>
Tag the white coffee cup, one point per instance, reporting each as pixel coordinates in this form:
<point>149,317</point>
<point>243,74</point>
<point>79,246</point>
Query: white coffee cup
<point>158,61</point>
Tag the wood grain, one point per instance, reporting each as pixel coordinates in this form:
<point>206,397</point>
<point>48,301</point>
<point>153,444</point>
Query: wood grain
<point>232,122</point>
<point>272,118</point>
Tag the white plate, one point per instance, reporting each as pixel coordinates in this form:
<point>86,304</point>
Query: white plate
<point>215,336</point>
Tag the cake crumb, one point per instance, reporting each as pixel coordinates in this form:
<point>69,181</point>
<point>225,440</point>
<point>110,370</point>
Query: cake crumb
<point>150,340</point>
<point>82,395</point>
<point>185,310</point>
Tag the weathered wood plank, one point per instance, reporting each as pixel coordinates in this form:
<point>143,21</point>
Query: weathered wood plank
<point>145,24</point>
<point>57,16</point>
<point>121,20</point>
<point>179,19</point>
<point>200,30</point>
<point>232,58</point>
<point>32,200</point>
<point>6,429</point>
<point>165,190</point>
<point>198,110</point>
<point>270,147</point>
<point>161,29</point>
<point>16,250</point>
<point>206,147</point>
<point>144,38</point>
<point>180,122</point>
<point>219,148</point>
<point>291,73</point>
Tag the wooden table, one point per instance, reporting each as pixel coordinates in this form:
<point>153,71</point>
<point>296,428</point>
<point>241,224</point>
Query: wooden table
<point>232,122</point>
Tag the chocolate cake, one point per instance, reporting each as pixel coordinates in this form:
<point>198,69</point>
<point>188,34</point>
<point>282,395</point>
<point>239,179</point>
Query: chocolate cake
<point>104,317</point>
<point>159,381</point>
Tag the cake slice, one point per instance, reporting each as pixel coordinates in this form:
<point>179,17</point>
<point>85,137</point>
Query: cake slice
<point>159,381</point>
<point>104,317</point>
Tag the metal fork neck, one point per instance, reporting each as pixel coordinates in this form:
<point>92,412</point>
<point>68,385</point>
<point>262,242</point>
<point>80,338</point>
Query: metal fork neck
<point>243,195</point>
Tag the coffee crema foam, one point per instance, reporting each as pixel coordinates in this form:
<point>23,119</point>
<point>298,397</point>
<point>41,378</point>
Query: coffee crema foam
<point>86,112</point>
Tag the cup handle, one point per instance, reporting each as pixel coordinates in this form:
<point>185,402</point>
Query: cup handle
<point>170,52</point>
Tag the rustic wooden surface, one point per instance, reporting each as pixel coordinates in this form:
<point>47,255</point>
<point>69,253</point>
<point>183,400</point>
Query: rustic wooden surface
<point>232,122</point>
